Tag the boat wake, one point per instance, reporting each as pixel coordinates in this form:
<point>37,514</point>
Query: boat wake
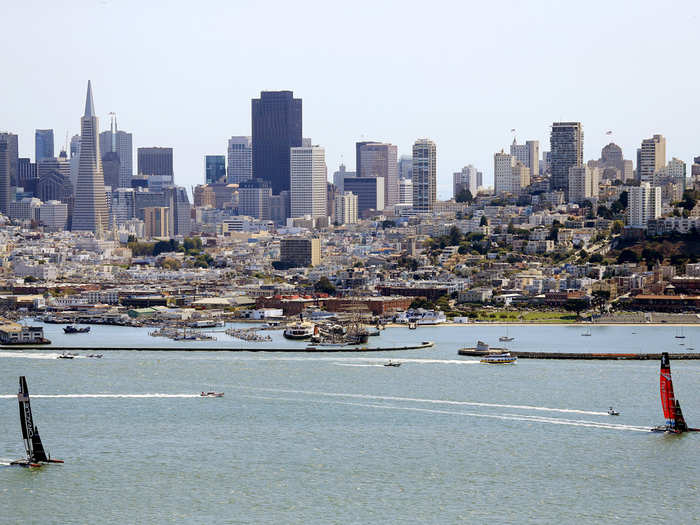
<point>431,401</point>
<point>31,355</point>
<point>503,417</point>
<point>100,396</point>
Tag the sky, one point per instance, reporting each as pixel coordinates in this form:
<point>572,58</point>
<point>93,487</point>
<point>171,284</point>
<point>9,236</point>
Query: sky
<point>462,73</point>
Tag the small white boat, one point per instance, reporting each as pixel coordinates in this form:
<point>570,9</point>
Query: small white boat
<point>613,412</point>
<point>392,363</point>
<point>587,333</point>
<point>499,359</point>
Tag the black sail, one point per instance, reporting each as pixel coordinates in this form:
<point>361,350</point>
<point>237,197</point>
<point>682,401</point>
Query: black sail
<point>30,434</point>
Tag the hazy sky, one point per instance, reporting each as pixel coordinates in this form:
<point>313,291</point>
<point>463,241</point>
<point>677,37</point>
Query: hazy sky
<point>182,74</point>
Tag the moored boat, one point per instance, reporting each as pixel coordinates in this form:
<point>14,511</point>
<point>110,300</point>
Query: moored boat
<point>299,330</point>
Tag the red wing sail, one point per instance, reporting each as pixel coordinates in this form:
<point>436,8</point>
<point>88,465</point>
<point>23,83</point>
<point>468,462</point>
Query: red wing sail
<point>668,402</point>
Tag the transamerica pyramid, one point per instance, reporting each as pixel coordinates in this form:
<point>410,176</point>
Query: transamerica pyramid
<point>90,212</point>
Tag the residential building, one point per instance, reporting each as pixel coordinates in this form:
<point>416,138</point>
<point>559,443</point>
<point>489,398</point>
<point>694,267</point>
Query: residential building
<point>308,182</point>
<point>346,208</point>
<point>254,199</point>
<point>528,154</point>
<point>502,172</point>
<point>584,183</point>
<point>277,127</point>
<point>424,175</point>
<point>90,211</point>
<point>377,159</point>
<point>43,144</point>
<point>406,192</point>
<point>566,144</point>
<point>467,179</point>
<point>240,160</point>
<point>215,168</point>
<point>651,157</point>
<point>299,251</point>
<point>156,222</point>
<point>644,204</point>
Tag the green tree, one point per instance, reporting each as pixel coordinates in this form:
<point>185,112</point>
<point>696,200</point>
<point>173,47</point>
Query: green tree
<point>455,236</point>
<point>484,221</point>
<point>324,285</point>
<point>627,256</point>
<point>464,196</point>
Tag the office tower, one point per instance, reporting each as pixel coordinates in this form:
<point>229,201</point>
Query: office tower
<point>644,204</point>
<point>155,161</point>
<point>277,127</point>
<point>111,166</point>
<point>651,157</point>
<point>123,206</point>
<point>4,176</point>
<point>298,251</point>
<point>528,154</point>
<point>26,175</point>
<point>156,222</point>
<point>346,208</point>
<point>121,143</point>
<point>406,191</point>
<point>424,175</point>
<point>240,160</point>
<point>74,158</point>
<point>90,209</point>
<point>43,144</point>
<point>340,175</point>
<point>54,215</point>
<point>502,172</point>
<point>308,182</point>
<point>13,155</point>
<point>215,168</point>
<point>254,199</point>
<point>203,196</point>
<point>179,210</point>
<point>467,179</point>
<point>369,190</point>
<point>376,159</point>
<point>566,144</point>
<point>584,183</point>
<point>279,207</point>
<point>405,167</point>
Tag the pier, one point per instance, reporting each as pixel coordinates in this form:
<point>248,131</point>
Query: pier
<point>588,356</point>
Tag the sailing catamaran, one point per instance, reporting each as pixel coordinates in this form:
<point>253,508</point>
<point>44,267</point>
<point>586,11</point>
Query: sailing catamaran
<point>36,455</point>
<point>675,422</point>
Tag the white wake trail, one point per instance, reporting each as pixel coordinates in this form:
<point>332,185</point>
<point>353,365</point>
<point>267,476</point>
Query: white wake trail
<point>100,396</point>
<point>431,401</point>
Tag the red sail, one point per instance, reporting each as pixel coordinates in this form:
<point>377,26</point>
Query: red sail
<point>668,401</point>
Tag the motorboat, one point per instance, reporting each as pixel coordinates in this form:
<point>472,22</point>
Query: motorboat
<point>499,359</point>
<point>211,394</point>
<point>613,412</point>
<point>392,363</point>
<point>96,356</point>
<point>71,329</point>
<point>299,330</point>
<point>65,355</point>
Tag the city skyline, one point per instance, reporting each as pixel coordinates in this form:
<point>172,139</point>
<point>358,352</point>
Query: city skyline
<point>466,132</point>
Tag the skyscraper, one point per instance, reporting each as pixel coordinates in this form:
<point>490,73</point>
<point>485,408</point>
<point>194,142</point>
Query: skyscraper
<point>254,199</point>
<point>308,182</point>
<point>424,175</point>
<point>377,159</point>
<point>240,160</point>
<point>277,127</point>
<point>121,143</point>
<point>528,154</point>
<point>346,208</point>
<point>651,157</point>
<point>90,212</point>
<point>405,167</point>
<point>155,161</point>
<point>566,142</point>
<point>214,168</point>
<point>111,166</point>
<point>584,182</point>
<point>13,154</point>
<point>4,176</point>
<point>644,204</point>
<point>467,179</point>
<point>43,144</point>
<point>502,170</point>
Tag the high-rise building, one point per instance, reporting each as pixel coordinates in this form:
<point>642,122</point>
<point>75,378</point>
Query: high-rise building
<point>123,206</point>
<point>346,208</point>
<point>90,211</point>
<point>405,167</point>
<point>369,190</point>
<point>26,175</point>
<point>156,222</point>
<point>121,143</point>
<point>566,144</point>
<point>502,172</point>
<point>54,215</point>
<point>12,153</point>
<point>203,196</point>
<point>277,127</point>
<point>215,168</point>
<point>406,191</point>
<point>254,199</point>
<point>155,161</point>
<point>467,179</point>
<point>377,159</point>
<point>74,158</point>
<point>424,175</point>
<point>279,207</point>
<point>644,204</point>
<point>4,176</point>
<point>111,166</point>
<point>299,251</point>
<point>584,183</point>
<point>528,154</point>
<point>651,157</point>
<point>308,182</point>
<point>179,210</point>
<point>43,144</point>
<point>340,175</point>
<point>240,160</point>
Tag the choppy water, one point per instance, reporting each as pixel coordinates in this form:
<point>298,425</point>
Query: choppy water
<point>342,439</point>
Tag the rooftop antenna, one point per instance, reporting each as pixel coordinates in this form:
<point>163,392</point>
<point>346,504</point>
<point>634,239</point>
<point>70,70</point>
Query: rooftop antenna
<point>65,147</point>
<point>512,130</point>
<point>113,129</point>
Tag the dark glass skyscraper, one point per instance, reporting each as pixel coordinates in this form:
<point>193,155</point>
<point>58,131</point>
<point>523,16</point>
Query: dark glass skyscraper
<point>215,168</point>
<point>566,144</point>
<point>43,144</point>
<point>276,123</point>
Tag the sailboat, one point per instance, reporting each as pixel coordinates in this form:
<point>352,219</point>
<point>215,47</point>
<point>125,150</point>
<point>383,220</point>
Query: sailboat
<point>505,338</point>
<point>587,333</point>
<point>675,422</point>
<point>680,334</point>
<point>36,455</point>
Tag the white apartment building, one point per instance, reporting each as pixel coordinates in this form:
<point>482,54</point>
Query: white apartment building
<point>240,160</point>
<point>307,184</point>
<point>346,208</point>
<point>644,204</point>
<point>502,171</point>
<point>406,192</point>
<point>584,183</point>
<point>469,179</point>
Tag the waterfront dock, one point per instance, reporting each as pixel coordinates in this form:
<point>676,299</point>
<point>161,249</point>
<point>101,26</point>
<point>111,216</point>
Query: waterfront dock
<point>589,356</point>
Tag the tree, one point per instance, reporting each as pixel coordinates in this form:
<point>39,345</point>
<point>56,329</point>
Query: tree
<point>651,257</point>
<point>421,302</point>
<point>464,196</point>
<point>324,285</point>
<point>627,256</point>
<point>600,299</point>
<point>577,305</point>
<point>455,236</point>
<point>388,224</point>
<point>131,238</point>
<point>484,221</point>
<point>596,258</point>
<point>169,263</point>
<point>617,227</point>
